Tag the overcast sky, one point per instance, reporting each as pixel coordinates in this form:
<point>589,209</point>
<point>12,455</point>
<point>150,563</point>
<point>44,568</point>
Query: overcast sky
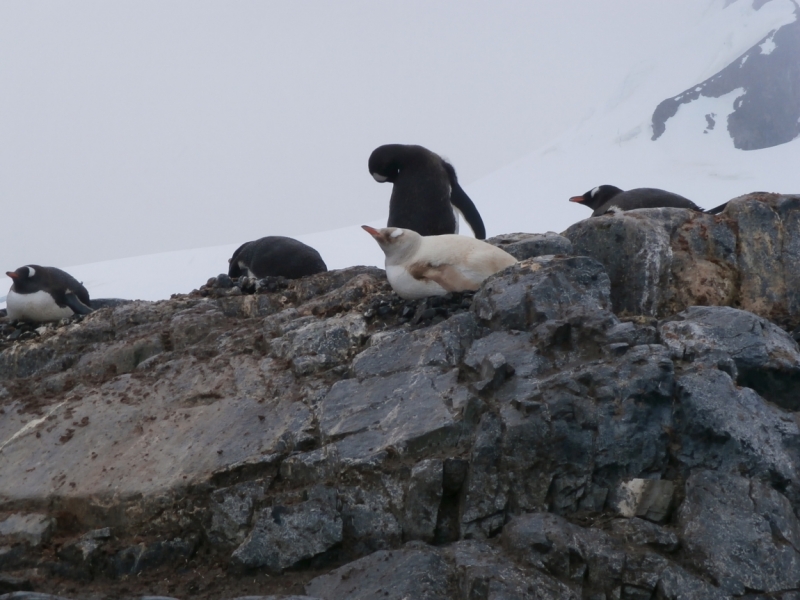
<point>137,127</point>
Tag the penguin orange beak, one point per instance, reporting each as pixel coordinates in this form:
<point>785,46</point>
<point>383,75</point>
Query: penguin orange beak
<point>372,231</point>
<point>12,274</point>
<point>576,199</point>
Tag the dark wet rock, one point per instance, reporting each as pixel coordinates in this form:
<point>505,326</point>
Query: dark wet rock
<point>30,596</point>
<point>644,533</point>
<point>9,583</point>
<point>530,245</point>
<point>368,522</point>
<point>135,559</point>
<point>533,291</point>
<point>572,437</point>
<point>767,359</point>
<point>733,430</point>
<point>415,571</point>
<point>423,498</point>
<point>285,535</point>
<point>752,521</point>
<point>482,571</point>
<point>231,511</point>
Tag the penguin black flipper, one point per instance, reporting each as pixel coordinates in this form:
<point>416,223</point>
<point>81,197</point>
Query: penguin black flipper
<point>459,199</point>
<point>78,307</point>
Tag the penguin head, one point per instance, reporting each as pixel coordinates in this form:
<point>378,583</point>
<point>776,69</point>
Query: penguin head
<point>394,241</point>
<point>596,197</point>
<point>24,277</point>
<point>386,161</point>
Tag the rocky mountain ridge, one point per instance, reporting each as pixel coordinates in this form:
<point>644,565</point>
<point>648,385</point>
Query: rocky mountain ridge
<point>580,427</point>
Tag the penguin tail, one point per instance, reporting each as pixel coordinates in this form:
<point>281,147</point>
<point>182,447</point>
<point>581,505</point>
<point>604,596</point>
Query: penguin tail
<point>717,209</point>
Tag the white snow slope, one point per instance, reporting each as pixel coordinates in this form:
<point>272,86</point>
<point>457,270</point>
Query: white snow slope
<point>611,145</point>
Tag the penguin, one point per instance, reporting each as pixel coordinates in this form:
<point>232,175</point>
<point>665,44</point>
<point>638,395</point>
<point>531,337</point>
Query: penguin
<point>41,294</point>
<point>418,266</point>
<point>275,255</point>
<point>426,194</point>
<point>606,198</point>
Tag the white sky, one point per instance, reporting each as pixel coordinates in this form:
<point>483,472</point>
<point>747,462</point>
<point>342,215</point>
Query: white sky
<point>135,127</point>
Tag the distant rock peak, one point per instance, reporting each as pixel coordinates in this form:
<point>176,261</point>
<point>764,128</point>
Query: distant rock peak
<point>767,112</point>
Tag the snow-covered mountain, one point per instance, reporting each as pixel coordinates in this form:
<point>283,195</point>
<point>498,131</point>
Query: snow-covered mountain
<point>744,53</point>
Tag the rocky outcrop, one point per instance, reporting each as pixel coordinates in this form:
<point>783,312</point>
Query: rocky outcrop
<point>664,260</point>
<point>324,439</point>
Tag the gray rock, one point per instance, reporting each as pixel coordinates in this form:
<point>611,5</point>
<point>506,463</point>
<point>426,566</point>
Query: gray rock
<point>754,524</point>
<point>408,411</point>
<point>677,584</point>
<point>571,437</point>
<point>767,359</point>
<point>728,429</point>
<point>423,498</point>
<point>415,571</point>
<point>485,491</point>
<point>135,559</point>
<point>367,520</point>
<point>643,533</point>
<point>284,535</point>
<point>14,584</point>
<point>442,345</point>
<point>530,245</point>
<point>32,529</point>
<point>482,571</point>
<point>534,290</point>
<point>321,344</point>
<point>231,510</point>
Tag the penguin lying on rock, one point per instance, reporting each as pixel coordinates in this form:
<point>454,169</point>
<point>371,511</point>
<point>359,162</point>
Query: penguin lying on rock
<point>42,294</point>
<point>425,192</point>
<point>418,266</point>
<point>274,256</point>
<point>609,198</point>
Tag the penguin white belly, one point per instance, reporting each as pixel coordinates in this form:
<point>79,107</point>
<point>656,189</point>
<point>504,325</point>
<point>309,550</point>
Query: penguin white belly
<point>409,288</point>
<point>39,307</point>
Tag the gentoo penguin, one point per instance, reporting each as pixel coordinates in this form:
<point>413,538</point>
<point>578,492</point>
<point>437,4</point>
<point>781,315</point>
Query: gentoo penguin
<point>418,266</point>
<point>275,255</point>
<point>42,294</point>
<point>605,198</point>
<point>425,192</point>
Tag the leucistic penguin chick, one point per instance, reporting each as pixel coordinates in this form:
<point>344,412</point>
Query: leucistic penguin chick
<point>275,255</point>
<point>418,266</point>
<point>426,194</point>
<point>41,294</point>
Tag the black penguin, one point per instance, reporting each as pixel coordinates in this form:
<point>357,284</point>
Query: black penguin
<point>425,191</point>
<point>42,294</point>
<point>275,255</point>
<point>604,198</point>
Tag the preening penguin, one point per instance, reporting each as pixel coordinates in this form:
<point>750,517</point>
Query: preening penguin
<point>42,294</point>
<point>604,198</point>
<point>418,266</point>
<point>275,255</point>
<point>425,192</point>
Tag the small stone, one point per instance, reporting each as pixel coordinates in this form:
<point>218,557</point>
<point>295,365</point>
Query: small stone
<point>647,498</point>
